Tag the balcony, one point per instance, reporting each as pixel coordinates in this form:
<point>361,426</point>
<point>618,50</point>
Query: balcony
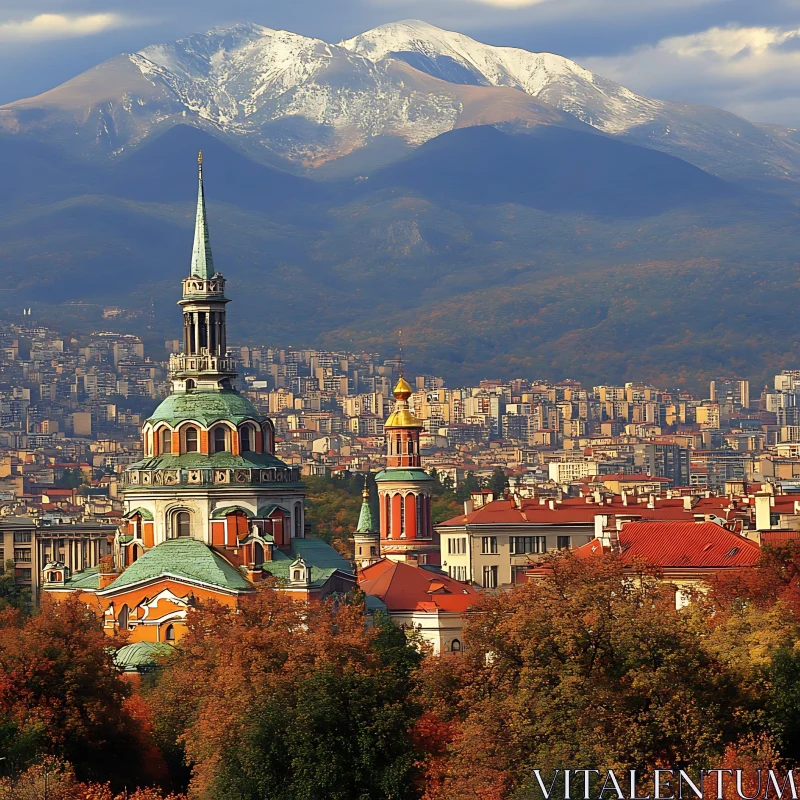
<point>205,362</point>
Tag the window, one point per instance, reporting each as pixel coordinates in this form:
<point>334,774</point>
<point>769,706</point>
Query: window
<point>402,516</point>
<point>22,555</point>
<point>457,573</point>
<point>422,527</point>
<point>183,524</point>
<point>122,619</point>
<point>528,544</point>
<point>192,440</point>
<point>166,440</point>
<point>258,554</point>
<point>246,437</point>
<point>24,574</point>
<point>564,542</point>
<point>489,545</point>
<point>456,646</point>
<point>388,504</point>
<point>490,577</point>
<point>298,521</point>
<point>457,546</point>
<point>169,633</point>
<point>298,576</point>
<point>23,536</point>
<point>219,442</point>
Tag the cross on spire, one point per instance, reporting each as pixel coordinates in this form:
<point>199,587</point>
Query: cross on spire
<point>202,260</point>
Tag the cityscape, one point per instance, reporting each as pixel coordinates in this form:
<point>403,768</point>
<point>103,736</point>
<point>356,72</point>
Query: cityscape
<point>342,523</point>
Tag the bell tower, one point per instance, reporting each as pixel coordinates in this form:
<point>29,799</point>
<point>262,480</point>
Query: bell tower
<point>404,489</point>
<point>203,364</point>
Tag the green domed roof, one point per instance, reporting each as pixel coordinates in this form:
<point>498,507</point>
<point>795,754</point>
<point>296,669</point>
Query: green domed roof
<point>205,408</point>
<point>141,655</point>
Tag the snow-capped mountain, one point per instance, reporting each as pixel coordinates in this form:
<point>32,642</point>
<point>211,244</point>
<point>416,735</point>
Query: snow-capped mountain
<point>708,137</point>
<point>303,102</point>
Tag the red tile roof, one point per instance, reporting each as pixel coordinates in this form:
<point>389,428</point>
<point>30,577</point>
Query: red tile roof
<point>682,545</point>
<point>404,587</point>
<point>576,511</point>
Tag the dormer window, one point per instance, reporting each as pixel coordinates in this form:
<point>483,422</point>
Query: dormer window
<point>219,441</point>
<point>192,440</point>
<point>166,441</point>
<point>246,437</point>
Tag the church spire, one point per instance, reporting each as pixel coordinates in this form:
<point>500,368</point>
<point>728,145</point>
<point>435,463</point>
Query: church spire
<point>202,260</point>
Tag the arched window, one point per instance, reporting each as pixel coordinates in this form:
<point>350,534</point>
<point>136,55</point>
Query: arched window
<point>219,441</point>
<point>411,447</point>
<point>182,524</point>
<point>298,575</point>
<point>456,646</point>
<point>267,433</point>
<point>166,440</point>
<point>387,499</point>
<point>246,438</point>
<point>192,440</point>
<point>402,515</point>
<point>258,554</point>
<point>136,551</point>
<point>190,384</point>
<point>298,521</point>
<point>122,619</point>
<point>421,526</point>
<point>169,633</point>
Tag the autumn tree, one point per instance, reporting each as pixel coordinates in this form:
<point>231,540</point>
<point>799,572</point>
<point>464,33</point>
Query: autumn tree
<point>284,701</point>
<point>62,696</point>
<point>583,667</point>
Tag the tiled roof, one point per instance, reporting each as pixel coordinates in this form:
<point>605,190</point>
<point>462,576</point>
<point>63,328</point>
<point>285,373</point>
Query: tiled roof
<point>575,511</point>
<point>213,460</point>
<point>404,587</point>
<point>682,545</point>
<point>319,555</point>
<point>182,558</point>
<point>205,408</point>
<point>88,579</point>
<point>140,654</point>
<point>410,474</point>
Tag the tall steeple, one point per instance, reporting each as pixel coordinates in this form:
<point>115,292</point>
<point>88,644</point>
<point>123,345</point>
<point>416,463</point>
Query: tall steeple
<point>202,260</point>
<point>203,363</point>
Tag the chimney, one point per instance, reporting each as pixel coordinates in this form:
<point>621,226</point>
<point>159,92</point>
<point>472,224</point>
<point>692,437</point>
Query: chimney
<point>551,505</point>
<point>469,506</point>
<point>651,501</point>
<point>687,502</point>
<point>597,498</point>
<point>600,522</point>
<point>517,499</point>
<point>797,506</point>
<point>624,498</point>
<point>763,511</point>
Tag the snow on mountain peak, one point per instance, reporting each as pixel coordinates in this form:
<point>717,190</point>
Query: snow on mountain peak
<point>556,80</point>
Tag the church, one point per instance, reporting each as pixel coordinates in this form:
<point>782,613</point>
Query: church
<point>210,511</point>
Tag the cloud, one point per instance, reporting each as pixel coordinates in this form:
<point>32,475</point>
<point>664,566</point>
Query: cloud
<point>58,26</point>
<point>752,71</point>
<point>511,3</point>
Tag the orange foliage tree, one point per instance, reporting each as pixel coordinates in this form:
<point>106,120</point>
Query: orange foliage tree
<point>62,696</point>
<point>586,667</point>
<point>284,700</point>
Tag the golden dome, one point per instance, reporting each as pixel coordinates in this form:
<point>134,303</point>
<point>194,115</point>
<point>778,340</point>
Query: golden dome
<point>402,391</point>
<point>402,418</point>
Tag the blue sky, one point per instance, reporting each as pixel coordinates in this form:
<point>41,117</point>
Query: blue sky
<point>742,55</point>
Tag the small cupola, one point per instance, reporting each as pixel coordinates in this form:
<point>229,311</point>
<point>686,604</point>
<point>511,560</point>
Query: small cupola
<point>56,573</point>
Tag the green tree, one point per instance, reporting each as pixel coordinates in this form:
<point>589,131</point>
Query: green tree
<point>283,701</point>
<point>498,482</point>
<point>11,593</point>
